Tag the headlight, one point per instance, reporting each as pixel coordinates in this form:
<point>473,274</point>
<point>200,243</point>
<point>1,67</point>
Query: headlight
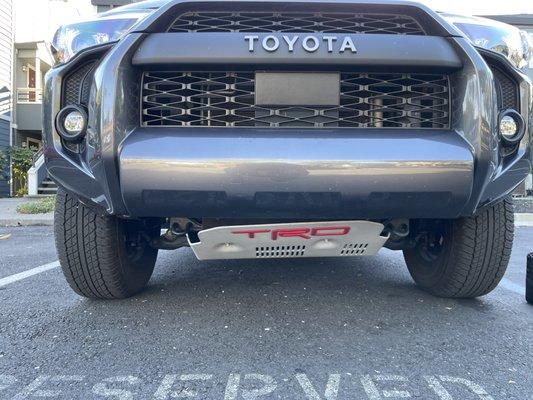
<point>495,36</point>
<point>71,39</point>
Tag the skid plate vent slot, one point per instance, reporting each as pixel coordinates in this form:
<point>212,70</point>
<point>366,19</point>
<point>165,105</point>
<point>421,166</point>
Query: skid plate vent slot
<point>280,251</point>
<point>354,249</point>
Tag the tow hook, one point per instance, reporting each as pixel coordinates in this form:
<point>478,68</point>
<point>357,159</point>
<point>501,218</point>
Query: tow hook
<point>175,236</point>
<point>398,228</point>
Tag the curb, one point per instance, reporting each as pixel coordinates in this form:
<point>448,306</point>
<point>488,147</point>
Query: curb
<point>15,221</point>
<point>520,219</point>
<point>523,219</point>
<point>28,222</point>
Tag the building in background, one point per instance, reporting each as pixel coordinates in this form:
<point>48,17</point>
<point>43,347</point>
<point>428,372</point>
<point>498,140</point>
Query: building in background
<point>6,87</point>
<point>31,62</point>
<point>37,20</point>
<point>31,27</point>
<point>105,5</point>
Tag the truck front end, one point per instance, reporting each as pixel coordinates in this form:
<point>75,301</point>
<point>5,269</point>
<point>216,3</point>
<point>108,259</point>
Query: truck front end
<point>294,129</point>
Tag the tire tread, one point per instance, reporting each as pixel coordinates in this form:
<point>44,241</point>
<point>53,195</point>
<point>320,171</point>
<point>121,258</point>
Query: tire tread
<point>479,254</point>
<point>88,249</point>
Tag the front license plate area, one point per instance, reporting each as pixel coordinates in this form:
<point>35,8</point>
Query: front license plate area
<point>297,89</point>
<point>318,239</point>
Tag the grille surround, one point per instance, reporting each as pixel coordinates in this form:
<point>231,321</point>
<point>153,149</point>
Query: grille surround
<point>296,22</point>
<point>226,99</point>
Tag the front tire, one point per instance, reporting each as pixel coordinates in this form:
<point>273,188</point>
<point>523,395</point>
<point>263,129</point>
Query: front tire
<point>102,257</point>
<point>466,257</point>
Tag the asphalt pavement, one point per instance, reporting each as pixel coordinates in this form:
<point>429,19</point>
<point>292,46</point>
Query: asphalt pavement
<point>261,329</point>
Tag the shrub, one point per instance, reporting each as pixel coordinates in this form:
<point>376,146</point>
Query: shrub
<point>41,206</point>
<point>21,161</point>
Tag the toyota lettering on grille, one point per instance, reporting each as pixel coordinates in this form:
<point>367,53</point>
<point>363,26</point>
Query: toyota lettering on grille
<point>303,233</point>
<point>309,43</point>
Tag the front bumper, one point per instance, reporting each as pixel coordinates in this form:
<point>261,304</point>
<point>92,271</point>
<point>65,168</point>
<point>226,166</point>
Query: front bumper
<point>295,174</point>
<point>364,173</point>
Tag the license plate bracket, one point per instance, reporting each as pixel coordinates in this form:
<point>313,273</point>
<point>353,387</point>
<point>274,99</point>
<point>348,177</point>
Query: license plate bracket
<point>297,89</point>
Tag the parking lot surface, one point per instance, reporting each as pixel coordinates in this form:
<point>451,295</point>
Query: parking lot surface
<point>259,329</point>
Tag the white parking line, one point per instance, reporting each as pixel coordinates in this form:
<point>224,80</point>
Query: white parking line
<point>26,274</point>
<point>505,283</point>
<point>513,287</point>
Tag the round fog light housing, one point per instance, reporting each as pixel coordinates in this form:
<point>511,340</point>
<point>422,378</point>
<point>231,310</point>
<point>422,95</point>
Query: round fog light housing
<point>508,127</point>
<point>511,127</point>
<point>71,123</point>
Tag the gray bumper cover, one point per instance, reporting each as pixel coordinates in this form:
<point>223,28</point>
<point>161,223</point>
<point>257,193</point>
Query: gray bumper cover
<point>288,173</point>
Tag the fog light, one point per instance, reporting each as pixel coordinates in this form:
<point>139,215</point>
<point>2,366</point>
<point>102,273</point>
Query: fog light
<point>511,127</point>
<point>75,122</point>
<point>508,127</point>
<point>71,123</point>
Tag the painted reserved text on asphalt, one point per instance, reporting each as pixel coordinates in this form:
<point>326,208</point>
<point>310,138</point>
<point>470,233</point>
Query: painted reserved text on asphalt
<point>249,386</point>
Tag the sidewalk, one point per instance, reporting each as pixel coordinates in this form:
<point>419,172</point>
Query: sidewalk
<point>10,217</point>
<point>523,219</point>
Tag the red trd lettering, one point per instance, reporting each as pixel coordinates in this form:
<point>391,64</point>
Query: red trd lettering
<point>251,233</point>
<point>287,233</point>
<point>330,231</point>
<point>304,233</point>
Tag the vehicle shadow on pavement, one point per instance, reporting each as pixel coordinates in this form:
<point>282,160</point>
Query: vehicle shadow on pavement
<point>337,309</point>
<point>372,278</point>
<point>375,293</point>
<point>366,285</point>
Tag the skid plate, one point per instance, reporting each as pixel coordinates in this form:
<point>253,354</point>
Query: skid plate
<point>303,239</point>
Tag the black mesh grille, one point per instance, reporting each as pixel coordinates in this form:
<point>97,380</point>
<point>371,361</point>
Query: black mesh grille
<point>296,22</point>
<point>507,91</point>
<point>227,99</point>
<point>76,88</point>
